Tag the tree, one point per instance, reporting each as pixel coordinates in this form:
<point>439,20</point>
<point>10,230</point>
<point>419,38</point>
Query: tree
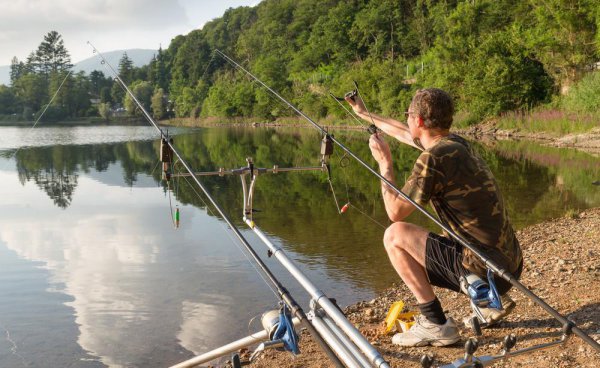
<point>32,90</point>
<point>105,96</point>
<point>159,71</point>
<point>8,101</point>
<point>562,36</point>
<point>159,104</point>
<point>142,90</point>
<point>126,69</point>
<point>117,93</point>
<point>51,55</point>
<point>104,110</point>
<point>17,69</point>
<point>98,82</point>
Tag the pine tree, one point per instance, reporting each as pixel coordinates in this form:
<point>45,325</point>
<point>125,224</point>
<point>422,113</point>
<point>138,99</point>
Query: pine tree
<point>126,69</point>
<point>160,71</point>
<point>51,55</point>
<point>17,69</point>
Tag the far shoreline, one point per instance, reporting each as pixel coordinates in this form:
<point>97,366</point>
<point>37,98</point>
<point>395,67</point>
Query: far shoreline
<point>586,141</point>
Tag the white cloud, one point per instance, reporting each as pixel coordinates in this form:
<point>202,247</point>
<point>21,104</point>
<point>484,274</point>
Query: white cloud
<point>119,23</point>
<point>109,24</point>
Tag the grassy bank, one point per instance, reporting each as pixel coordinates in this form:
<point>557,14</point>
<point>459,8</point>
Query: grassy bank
<point>551,121</point>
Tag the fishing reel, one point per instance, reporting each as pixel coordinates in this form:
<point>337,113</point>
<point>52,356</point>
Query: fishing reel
<point>280,330</point>
<point>482,294</point>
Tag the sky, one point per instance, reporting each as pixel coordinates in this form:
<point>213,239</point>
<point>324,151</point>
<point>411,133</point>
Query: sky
<point>108,24</point>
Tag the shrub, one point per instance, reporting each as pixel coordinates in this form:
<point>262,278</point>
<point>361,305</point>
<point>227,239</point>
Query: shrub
<point>585,95</point>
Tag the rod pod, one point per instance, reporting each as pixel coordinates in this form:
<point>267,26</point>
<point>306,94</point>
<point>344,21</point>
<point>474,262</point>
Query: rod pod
<point>282,292</point>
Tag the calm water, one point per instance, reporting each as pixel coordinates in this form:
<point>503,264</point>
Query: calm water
<point>93,273</point>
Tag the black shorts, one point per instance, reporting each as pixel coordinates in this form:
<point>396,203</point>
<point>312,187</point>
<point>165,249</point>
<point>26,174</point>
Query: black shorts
<point>443,264</point>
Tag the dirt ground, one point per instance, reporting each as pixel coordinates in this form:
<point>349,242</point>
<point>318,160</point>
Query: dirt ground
<point>562,265</point>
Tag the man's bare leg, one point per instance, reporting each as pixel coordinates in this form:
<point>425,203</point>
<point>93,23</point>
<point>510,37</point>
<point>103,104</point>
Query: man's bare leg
<point>405,246</point>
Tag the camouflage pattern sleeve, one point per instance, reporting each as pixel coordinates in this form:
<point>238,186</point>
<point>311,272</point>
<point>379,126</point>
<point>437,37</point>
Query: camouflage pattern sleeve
<point>420,185</point>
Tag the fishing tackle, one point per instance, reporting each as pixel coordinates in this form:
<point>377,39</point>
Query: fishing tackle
<point>326,148</point>
<point>326,151</point>
<point>166,157</point>
<point>568,326</point>
<point>45,108</point>
<point>329,321</point>
<point>372,129</point>
<point>281,292</point>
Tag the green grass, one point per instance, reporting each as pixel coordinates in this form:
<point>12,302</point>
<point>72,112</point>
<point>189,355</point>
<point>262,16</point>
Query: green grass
<point>548,120</point>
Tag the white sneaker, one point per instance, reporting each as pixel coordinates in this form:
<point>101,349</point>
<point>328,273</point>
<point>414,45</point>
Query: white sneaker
<point>493,315</point>
<point>424,333</point>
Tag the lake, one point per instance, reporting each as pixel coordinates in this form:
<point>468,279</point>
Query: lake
<point>93,272</point>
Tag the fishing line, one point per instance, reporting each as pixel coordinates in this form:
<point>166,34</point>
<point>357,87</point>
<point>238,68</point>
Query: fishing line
<point>348,201</point>
<point>208,65</point>
<point>337,205</point>
<point>44,111</point>
<point>367,216</point>
<point>360,122</point>
<point>253,82</point>
<point>347,151</point>
<point>272,281</point>
<point>154,169</point>
<point>364,104</point>
<point>227,233</point>
<point>170,205</point>
<point>568,326</point>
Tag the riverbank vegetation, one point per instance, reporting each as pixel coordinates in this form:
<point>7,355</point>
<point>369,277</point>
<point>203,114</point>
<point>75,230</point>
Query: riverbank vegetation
<point>512,61</point>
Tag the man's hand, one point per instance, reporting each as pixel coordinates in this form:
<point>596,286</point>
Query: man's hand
<point>357,104</point>
<point>380,150</point>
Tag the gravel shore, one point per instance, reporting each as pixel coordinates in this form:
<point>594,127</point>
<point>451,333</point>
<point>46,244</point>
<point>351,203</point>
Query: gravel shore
<point>562,265</point>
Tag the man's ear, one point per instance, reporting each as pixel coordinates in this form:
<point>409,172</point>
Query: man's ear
<point>420,122</point>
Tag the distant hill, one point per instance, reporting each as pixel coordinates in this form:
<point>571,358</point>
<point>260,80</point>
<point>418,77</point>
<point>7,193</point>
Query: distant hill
<point>5,74</point>
<point>140,57</point>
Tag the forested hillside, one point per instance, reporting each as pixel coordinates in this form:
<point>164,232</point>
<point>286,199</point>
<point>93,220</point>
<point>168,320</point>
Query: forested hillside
<point>493,56</point>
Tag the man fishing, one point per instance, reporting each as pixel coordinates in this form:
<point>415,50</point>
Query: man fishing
<point>463,192</point>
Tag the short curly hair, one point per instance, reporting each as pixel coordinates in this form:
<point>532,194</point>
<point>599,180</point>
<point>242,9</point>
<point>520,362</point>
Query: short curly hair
<point>435,106</point>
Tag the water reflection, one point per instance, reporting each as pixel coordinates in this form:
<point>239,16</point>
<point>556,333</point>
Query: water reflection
<point>92,220</point>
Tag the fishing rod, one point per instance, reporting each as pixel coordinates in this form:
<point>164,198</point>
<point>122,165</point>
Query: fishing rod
<point>567,325</point>
<point>348,343</point>
<point>39,118</point>
<point>283,293</point>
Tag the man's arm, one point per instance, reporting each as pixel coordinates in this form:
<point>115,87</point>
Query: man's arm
<point>389,126</point>
<point>396,207</point>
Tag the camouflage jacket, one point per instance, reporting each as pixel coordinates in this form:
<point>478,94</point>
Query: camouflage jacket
<point>466,197</point>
